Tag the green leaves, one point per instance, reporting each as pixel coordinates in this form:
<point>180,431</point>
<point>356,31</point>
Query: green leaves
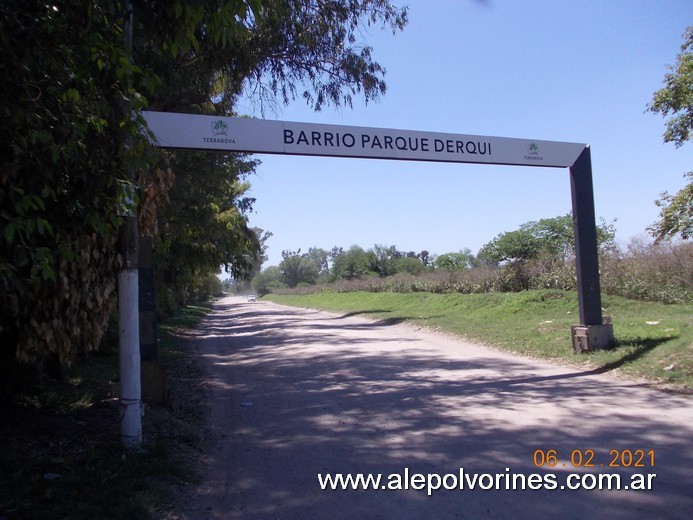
<point>675,100</point>
<point>551,236</point>
<point>676,214</point>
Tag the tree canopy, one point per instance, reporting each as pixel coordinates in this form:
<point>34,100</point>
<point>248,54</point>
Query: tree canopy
<point>68,138</point>
<point>675,101</point>
<point>550,236</point>
<point>676,214</point>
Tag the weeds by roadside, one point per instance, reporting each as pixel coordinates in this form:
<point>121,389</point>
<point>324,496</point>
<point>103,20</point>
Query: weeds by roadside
<point>651,272</point>
<point>62,456</point>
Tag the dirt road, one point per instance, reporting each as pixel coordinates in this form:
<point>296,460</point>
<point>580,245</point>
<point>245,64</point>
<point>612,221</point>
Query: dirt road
<point>296,393</point>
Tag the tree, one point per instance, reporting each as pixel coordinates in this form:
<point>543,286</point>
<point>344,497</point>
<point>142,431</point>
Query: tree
<point>349,265</point>
<point>260,257</point>
<point>66,73</point>
<point>461,260</point>
<point>315,46</point>
<point>675,100</point>
<point>511,246</point>
<point>321,259</point>
<point>297,268</point>
<point>70,83</point>
<point>381,259</point>
<point>268,279</point>
<point>410,264</point>
<point>204,225</point>
<point>676,214</point>
<point>552,236</point>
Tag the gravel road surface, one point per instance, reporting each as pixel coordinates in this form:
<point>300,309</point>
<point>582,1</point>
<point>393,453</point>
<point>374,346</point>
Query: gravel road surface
<point>297,393</point>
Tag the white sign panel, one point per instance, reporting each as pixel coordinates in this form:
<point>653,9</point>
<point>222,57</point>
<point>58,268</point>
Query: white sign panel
<point>283,137</point>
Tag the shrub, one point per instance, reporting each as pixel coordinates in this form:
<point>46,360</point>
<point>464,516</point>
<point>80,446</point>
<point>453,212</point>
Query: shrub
<point>652,272</point>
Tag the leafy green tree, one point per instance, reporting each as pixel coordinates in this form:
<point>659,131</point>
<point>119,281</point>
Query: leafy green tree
<point>511,246</point>
<point>204,226</point>
<point>70,83</point>
<point>425,257</point>
<point>409,264</point>
<point>267,280</point>
<point>381,259</point>
<point>676,214</point>
<point>297,268</point>
<point>675,100</point>
<point>66,73</point>
<point>349,265</point>
<point>552,237</point>
<point>287,45</point>
<point>259,257</point>
<point>311,50</point>
<point>459,261</point>
<point>321,259</point>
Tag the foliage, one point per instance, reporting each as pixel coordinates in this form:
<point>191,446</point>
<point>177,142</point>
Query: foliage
<point>410,264</point>
<point>311,50</point>
<point>268,280</point>
<point>656,272</point>
<point>349,265</point>
<point>321,259</point>
<point>69,141</point>
<point>551,236</point>
<point>203,226</point>
<point>66,79</point>
<point>675,215</point>
<point>675,99</point>
<point>276,47</point>
<point>297,268</point>
<point>381,260</point>
<point>652,272</point>
<point>62,457</point>
<point>464,259</point>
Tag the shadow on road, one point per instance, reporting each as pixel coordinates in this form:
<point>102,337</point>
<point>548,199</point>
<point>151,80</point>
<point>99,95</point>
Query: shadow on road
<point>298,393</point>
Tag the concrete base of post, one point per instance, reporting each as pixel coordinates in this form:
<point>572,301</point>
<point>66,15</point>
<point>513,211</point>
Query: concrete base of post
<point>593,337</point>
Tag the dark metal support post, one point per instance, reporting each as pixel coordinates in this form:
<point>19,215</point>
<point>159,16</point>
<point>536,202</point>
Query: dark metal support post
<point>585,230</point>
<point>597,330</point>
<point>147,301</point>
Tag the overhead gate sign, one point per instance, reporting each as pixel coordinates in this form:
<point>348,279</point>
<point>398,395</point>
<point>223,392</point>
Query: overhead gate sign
<point>233,134</point>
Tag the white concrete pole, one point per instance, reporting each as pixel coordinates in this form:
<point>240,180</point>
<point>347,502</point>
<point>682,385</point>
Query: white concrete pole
<point>128,305</point>
<point>129,344</point>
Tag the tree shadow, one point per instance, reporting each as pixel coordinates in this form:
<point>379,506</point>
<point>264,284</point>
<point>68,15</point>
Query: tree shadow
<point>379,400</point>
<point>359,313</point>
<point>633,350</point>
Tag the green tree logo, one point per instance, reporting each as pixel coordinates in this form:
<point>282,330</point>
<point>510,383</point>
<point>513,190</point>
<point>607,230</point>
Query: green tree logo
<point>220,128</point>
<point>533,149</point>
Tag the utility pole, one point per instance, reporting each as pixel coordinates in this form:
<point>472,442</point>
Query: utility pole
<point>128,294</point>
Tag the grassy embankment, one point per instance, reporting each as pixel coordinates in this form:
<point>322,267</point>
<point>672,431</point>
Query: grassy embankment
<point>62,456</point>
<point>654,340</point>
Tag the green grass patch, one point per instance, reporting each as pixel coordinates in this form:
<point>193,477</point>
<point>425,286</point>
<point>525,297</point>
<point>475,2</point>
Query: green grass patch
<point>654,340</point>
<point>62,456</point>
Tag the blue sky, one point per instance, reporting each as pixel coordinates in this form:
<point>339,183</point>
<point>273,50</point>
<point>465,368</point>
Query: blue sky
<point>579,71</point>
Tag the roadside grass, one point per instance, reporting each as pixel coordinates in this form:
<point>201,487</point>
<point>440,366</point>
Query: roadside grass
<point>654,341</point>
<point>61,454</point>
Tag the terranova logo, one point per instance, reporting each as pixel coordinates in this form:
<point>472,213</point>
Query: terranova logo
<point>533,153</point>
<point>220,130</point>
